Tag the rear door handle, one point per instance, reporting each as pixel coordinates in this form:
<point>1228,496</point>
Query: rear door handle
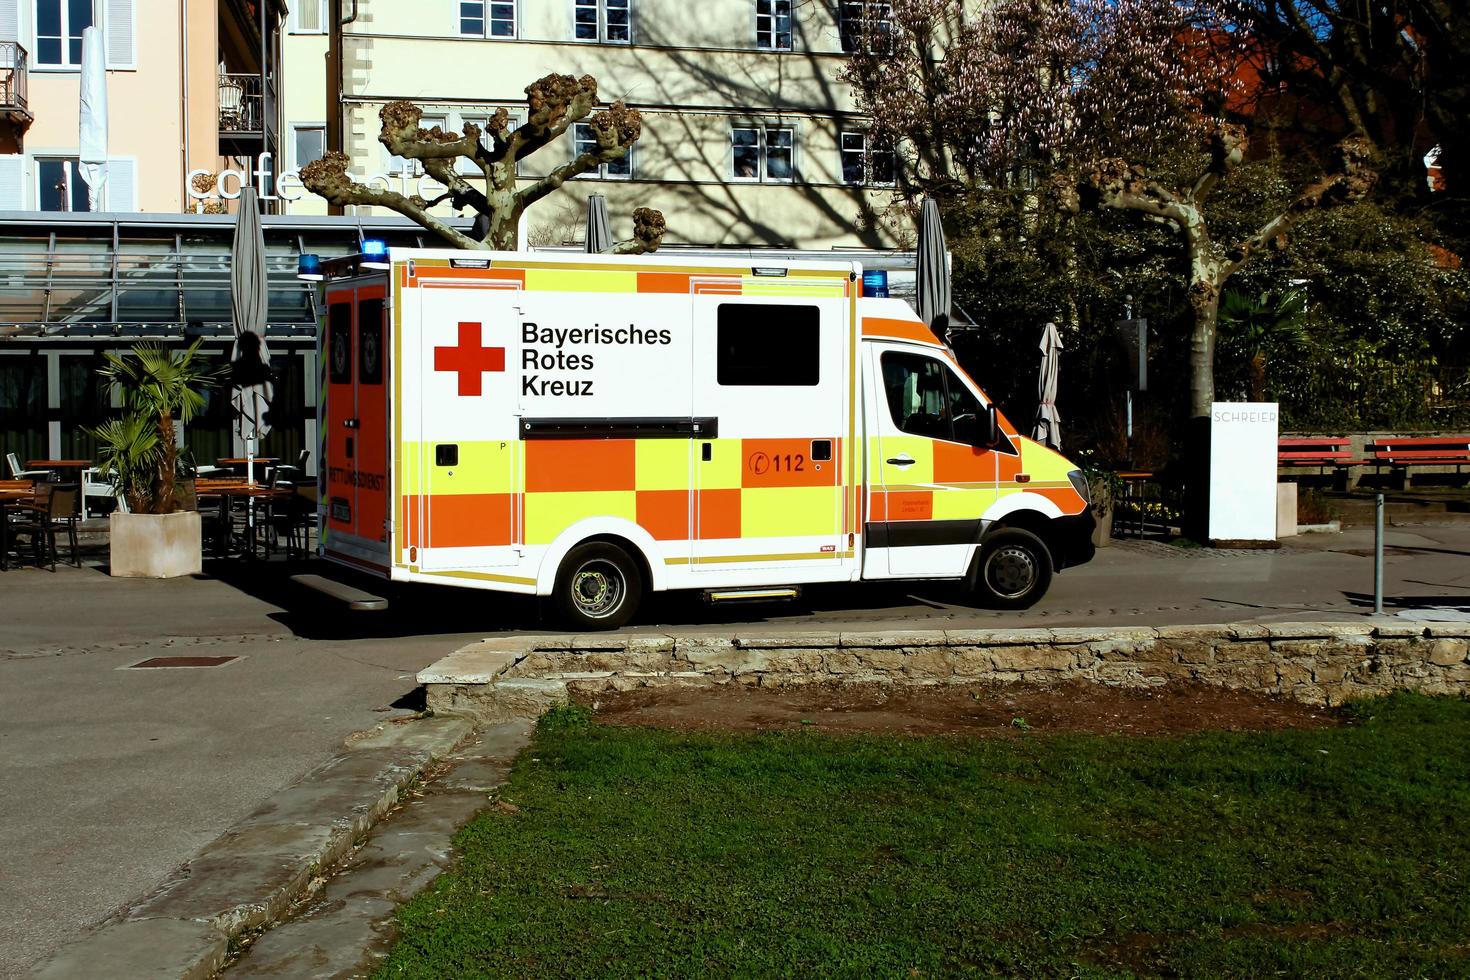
<point>902,459</point>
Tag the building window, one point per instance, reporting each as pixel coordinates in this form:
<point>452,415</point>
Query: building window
<point>487,18</point>
<point>59,186</point>
<point>867,22</point>
<point>584,141</point>
<point>309,17</point>
<point>768,345</point>
<point>773,24</point>
<point>308,143</point>
<point>862,164</point>
<point>610,21</point>
<point>400,165</point>
<point>59,26</point>
<point>765,153</point>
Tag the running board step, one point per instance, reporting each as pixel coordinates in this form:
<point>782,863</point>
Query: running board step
<point>354,598</point>
<point>762,594</point>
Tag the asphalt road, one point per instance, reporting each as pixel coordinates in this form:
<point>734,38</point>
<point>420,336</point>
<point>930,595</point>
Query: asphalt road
<point>115,776</point>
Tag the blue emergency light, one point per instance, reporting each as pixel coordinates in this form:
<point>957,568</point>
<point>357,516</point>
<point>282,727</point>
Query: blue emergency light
<point>875,283</point>
<point>309,267</point>
<point>374,253</point>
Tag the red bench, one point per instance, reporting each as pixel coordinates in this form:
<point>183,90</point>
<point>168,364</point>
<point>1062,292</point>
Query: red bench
<point>1329,451</point>
<point>1400,453</point>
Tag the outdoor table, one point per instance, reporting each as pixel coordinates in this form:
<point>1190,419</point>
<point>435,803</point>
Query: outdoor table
<point>241,462</point>
<point>1134,485</point>
<point>229,491</point>
<point>63,465</point>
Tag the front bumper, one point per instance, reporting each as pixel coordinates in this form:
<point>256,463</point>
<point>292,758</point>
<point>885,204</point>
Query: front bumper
<point>1071,540</point>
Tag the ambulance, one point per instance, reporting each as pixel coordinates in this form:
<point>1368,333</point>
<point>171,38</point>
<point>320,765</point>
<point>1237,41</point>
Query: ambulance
<point>590,429</point>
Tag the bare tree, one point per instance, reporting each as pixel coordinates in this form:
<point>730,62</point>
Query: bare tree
<point>555,104</point>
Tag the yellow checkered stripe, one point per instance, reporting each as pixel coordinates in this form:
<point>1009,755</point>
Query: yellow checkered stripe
<point>661,484</point>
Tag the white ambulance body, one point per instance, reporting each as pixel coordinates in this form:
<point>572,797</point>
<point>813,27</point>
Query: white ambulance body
<point>591,428</point>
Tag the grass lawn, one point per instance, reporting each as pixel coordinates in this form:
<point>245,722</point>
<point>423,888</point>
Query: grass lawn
<point>634,852</point>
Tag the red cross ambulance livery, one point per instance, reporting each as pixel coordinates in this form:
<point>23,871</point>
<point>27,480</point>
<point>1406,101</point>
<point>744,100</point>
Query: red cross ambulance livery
<point>590,429</point>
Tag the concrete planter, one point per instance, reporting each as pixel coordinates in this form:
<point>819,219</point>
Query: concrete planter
<point>1102,533</point>
<point>156,545</point>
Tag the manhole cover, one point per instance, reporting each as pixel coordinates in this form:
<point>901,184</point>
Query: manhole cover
<point>182,662</point>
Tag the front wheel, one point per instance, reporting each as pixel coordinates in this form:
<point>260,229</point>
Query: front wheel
<point>1014,569</point>
<point>597,588</point>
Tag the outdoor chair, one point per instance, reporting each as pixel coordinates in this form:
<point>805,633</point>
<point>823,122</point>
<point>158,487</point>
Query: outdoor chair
<point>55,508</point>
<point>212,524</point>
<point>288,518</point>
<point>289,474</point>
<point>19,474</point>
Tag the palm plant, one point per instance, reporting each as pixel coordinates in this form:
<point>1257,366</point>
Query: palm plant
<point>157,386</point>
<point>1262,323</point>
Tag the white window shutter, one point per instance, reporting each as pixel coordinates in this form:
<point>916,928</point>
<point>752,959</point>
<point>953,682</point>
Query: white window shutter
<point>121,43</point>
<point>9,20</point>
<point>13,183</point>
<point>122,193</point>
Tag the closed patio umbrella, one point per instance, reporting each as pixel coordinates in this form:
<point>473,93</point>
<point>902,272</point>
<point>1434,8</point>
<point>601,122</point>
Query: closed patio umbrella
<point>932,271</point>
<point>599,232</point>
<point>250,373</point>
<point>1048,430</point>
<point>92,134</point>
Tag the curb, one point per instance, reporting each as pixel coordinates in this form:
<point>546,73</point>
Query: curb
<point>255,871</point>
<point>1324,663</point>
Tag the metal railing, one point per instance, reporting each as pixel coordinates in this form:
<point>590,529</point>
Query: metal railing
<point>13,74</point>
<point>241,109</point>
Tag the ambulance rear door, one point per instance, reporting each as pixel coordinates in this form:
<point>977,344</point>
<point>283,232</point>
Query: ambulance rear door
<point>357,424</point>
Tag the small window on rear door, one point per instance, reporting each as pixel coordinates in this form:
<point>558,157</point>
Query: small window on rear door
<point>339,343</point>
<point>370,341</point>
<point>771,345</point>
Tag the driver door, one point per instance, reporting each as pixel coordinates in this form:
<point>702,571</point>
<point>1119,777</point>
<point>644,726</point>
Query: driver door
<point>929,480</point>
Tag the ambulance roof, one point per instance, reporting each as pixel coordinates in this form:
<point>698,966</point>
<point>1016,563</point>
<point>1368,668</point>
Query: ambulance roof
<point>654,261</point>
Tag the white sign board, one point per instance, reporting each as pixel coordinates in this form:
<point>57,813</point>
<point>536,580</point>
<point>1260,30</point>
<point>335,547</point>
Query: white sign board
<point>1243,471</point>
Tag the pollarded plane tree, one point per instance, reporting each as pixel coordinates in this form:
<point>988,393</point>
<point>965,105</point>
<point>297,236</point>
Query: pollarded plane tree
<point>490,188</point>
<point>1078,104</point>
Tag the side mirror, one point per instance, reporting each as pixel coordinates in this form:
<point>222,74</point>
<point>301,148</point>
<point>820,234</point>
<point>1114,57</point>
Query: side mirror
<point>992,425</point>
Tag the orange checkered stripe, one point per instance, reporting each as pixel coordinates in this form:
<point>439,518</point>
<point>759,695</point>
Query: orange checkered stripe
<point>750,488</point>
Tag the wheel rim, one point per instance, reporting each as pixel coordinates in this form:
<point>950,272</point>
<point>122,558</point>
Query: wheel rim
<point>598,589</point>
<point>1010,571</point>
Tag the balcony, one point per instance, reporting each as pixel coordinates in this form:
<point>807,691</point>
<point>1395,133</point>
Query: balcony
<point>241,107</point>
<point>15,112</point>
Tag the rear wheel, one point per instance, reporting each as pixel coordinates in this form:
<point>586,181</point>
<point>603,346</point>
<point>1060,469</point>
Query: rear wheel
<point>597,588</point>
<point>1014,569</point>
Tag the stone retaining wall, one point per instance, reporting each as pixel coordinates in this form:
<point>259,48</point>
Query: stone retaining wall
<point>1318,663</point>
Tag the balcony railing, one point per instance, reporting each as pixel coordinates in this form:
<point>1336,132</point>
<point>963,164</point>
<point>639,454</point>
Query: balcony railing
<point>13,74</point>
<point>240,104</point>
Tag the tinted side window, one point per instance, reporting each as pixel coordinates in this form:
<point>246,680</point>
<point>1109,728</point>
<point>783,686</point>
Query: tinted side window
<point>339,343</point>
<point>926,398</point>
<point>768,344</point>
<point>370,341</point>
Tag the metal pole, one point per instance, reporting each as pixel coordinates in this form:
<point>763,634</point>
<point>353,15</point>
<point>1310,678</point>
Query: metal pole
<point>1378,556</point>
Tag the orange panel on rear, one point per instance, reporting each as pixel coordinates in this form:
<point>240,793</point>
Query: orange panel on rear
<point>564,465</point>
<point>462,520</point>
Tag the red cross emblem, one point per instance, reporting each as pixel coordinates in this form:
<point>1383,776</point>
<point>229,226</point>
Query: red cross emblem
<point>470,359</point>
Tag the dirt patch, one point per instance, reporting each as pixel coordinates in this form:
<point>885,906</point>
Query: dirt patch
<point>962,709</point>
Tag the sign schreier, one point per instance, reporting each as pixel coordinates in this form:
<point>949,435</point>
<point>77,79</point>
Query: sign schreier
<point>1243,471</point>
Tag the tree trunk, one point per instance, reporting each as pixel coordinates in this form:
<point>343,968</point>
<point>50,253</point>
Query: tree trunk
<point>167,465</point>
<point>1204,299</point>
<point>1258,376</point>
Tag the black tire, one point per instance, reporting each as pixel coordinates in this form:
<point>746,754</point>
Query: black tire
<point>1013,569</point>
<point>598,587</point>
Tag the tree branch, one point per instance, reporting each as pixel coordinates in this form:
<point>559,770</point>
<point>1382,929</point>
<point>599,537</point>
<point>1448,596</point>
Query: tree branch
<point>327,176</point>
<point>1355,178</point>
<point>1227,143</point>
<point>648,234</point>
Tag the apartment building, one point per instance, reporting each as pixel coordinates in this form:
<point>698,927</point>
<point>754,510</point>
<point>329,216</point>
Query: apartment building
<point>191,86</point>
<point>748,140</point>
